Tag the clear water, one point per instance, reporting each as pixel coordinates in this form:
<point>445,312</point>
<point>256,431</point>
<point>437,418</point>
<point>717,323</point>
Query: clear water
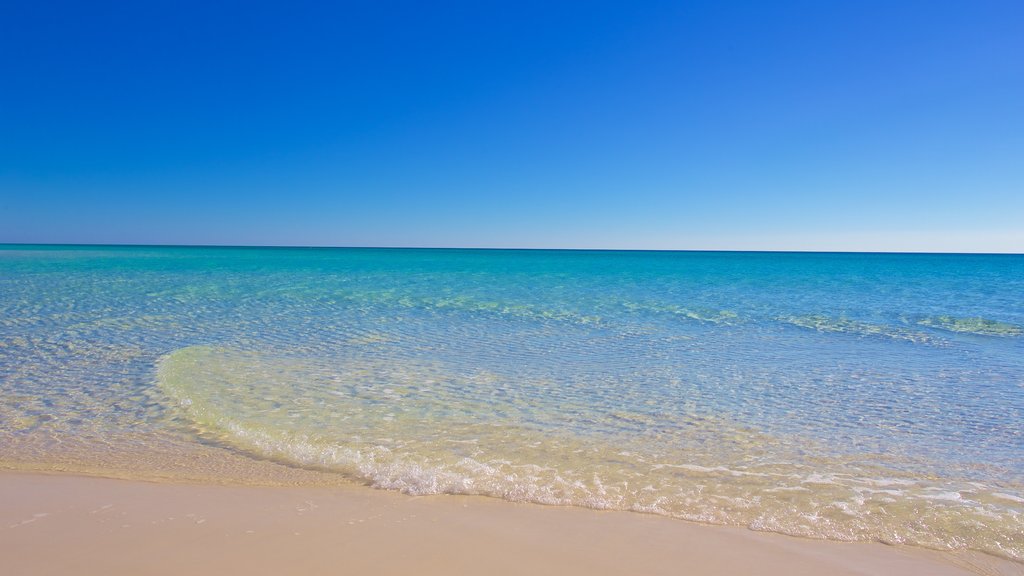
<point>844,396</point>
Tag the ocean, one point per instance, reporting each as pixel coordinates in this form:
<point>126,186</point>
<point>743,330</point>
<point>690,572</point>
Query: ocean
<point>829,395</point>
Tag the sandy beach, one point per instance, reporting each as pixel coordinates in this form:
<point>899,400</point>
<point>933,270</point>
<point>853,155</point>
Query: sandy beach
<point>62,524</point>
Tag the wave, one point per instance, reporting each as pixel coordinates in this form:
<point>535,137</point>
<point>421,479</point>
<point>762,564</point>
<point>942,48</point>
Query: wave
<point>978,326</point>
<point>465,303</point>
<point>708,315</point>
<point>416,427</point>
<point>823,323</point>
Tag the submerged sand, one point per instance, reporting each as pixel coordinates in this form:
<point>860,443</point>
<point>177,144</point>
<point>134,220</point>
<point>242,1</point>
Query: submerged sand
<point>62,524</point>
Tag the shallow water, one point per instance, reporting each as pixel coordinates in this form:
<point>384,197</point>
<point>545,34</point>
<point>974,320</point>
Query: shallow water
<point>845,396</point>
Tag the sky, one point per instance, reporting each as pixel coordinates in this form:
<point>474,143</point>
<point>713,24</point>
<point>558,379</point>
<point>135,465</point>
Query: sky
<point>876,126</point>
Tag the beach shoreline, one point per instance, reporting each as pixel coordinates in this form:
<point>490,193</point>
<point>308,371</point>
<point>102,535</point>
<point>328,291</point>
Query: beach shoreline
<point>61,523</point>
<point>807,395</point>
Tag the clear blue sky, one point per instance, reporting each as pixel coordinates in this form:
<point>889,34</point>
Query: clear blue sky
<point>673,125</point>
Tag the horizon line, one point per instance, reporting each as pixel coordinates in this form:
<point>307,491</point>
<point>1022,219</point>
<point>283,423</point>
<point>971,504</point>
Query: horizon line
<point>498,248</point>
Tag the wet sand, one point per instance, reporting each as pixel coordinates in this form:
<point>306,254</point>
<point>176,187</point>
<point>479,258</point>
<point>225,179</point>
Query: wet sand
<point>63,524</point>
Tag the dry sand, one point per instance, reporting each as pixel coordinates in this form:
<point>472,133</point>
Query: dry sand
<point>60,524</point>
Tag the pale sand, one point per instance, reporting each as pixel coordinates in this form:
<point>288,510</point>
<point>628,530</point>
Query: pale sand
<point>59,524</point>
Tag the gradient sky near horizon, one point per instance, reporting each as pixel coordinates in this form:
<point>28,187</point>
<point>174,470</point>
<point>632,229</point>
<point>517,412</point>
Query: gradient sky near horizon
<point>664,125</point>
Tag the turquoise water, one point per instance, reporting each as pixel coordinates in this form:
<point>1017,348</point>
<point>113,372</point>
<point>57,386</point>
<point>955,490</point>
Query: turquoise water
<point>843,396</point>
